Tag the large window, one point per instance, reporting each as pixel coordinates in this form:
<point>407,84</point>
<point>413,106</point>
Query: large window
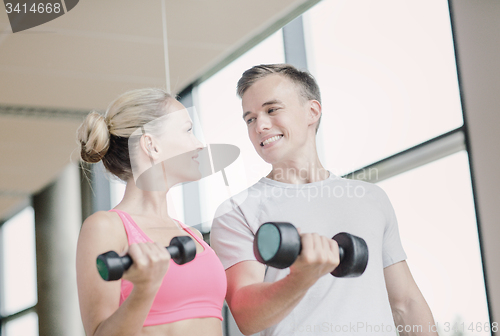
<point>387,75</point>
<point>437,223</point>
<point>18,293</point>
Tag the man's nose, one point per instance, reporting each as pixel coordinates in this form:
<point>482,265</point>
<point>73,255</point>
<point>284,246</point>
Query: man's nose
<point>263,123</point>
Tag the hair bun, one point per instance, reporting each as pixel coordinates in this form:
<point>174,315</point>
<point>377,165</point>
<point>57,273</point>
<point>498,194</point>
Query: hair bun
<point>93,136</point>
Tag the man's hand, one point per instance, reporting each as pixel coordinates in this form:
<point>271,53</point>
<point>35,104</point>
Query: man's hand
<point>258,305</point>
<point>319,256</point>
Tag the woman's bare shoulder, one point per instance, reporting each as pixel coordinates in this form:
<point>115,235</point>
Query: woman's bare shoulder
<point>103,217</point>
<point>105,227</point>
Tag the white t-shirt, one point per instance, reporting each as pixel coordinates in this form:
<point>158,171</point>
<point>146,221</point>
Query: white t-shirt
<point>332,306</point>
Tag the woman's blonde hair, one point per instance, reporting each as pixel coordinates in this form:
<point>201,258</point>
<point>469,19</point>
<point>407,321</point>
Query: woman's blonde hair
<point>106,137</point>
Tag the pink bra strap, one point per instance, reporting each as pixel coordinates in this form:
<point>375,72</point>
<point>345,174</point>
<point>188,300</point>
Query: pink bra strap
<point>134,232</point>
<point>194,235</point>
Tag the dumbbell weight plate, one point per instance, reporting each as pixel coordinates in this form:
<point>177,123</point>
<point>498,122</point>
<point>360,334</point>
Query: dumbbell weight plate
<point>182,249</point>
<point>351,267</point>
<point>268,242</point>
<point>111,266</point>
<point>277,245</point>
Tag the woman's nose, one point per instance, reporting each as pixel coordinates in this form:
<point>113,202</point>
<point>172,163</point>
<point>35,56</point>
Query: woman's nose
<point>199,145</point>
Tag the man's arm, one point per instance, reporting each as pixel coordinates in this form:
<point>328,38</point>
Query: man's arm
<point>409,307</point>
<point>258,305</point>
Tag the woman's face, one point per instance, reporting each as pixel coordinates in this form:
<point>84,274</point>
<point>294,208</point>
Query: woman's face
<point>178,147</point>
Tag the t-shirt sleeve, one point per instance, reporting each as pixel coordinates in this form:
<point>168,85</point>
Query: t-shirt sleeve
<point>392,249</point>
<point>231,237</point>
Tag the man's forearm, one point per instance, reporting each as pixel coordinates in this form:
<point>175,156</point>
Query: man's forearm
<point>259,306</point>
<point>415,318</point>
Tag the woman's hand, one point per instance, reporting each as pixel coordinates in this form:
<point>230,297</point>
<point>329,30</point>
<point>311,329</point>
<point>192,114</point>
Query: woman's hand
<point>150,263</point>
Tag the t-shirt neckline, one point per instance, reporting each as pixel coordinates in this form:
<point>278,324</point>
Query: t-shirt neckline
<point>298,186</point>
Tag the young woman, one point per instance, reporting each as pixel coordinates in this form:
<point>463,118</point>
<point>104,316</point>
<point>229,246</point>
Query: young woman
<point>143,132</point>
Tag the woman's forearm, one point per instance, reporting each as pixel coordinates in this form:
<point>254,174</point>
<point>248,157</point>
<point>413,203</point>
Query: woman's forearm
<point>129,319</point>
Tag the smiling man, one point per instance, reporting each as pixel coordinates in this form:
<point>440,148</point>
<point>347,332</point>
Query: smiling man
<point>282,110</point>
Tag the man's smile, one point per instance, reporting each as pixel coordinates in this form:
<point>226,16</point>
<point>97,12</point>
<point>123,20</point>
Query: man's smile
<point>271,139</point>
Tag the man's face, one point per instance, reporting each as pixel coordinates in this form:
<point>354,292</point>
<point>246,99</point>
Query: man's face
<point>277,118</point>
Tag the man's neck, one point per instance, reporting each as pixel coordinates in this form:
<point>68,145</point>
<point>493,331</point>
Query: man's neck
<point>299,175</point>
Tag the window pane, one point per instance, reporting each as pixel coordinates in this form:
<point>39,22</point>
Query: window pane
<point>435,210</point>
<point>19,264</point>
<point>26,325</point>
<point>387,73</point>
<point>221,116</point>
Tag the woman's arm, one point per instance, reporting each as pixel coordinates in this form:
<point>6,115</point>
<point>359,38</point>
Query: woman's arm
<point>99,299</point>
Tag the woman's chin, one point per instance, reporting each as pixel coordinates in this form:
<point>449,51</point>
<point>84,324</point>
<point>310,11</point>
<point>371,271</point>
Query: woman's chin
<point>196,176</point>
<point>191,176</point>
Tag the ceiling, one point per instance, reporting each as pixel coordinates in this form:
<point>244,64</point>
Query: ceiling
<point>53,74</point>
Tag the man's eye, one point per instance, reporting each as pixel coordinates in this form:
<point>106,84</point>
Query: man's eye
<point>249,120</point>
<point>189,130</point>
<point>271,110</point>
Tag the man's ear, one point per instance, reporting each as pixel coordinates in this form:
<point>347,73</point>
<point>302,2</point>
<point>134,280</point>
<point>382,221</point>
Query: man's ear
<point>314,111</point>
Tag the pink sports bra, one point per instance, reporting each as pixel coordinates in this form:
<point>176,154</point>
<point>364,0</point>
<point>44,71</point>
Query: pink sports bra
<point>193,290</point>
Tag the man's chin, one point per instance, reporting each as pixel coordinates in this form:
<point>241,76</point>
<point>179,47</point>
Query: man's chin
<point>271,159</point>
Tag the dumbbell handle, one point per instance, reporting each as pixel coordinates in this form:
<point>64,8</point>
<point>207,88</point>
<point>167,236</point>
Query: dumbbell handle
<point>173,250</point>
<point>341,252</point>
<point>350,267</point>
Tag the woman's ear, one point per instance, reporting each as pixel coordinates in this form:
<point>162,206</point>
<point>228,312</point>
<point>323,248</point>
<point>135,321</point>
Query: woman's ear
<point>149,146</point>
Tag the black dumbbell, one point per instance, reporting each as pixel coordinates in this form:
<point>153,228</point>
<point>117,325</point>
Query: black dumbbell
<point>111,266</point>
<point>278,245</point>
